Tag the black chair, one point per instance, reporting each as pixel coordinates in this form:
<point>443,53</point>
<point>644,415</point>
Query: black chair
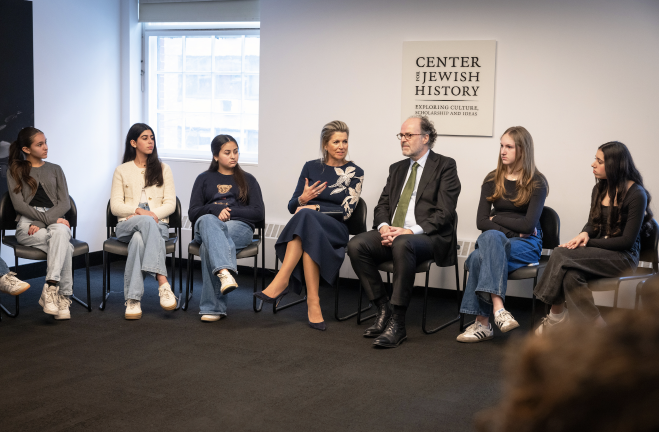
<point>8,223</point>
<point>250,251</point>
<point>112,246</point>
<point>647,288</point>
<point>424,267</point>
<point>649,253</point>
<point>356,225</point>
<point>550,224</point>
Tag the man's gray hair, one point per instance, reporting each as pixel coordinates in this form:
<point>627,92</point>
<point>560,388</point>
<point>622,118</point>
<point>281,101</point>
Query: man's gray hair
<point>427,128</point>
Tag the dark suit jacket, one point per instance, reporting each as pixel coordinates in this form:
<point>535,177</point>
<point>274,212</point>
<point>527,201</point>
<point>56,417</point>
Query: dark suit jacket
<point>436,199</point>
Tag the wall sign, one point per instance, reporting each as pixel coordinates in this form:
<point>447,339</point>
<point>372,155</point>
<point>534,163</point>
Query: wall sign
<point>452,83</point>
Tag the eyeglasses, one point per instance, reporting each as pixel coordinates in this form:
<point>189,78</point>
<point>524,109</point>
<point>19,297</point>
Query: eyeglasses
<point>407,136</point>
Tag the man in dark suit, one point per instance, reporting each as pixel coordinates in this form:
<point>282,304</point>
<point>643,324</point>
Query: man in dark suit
<point>414,222</point>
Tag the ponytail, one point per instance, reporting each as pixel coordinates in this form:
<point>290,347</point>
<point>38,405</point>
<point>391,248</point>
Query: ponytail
<point>19,167</point>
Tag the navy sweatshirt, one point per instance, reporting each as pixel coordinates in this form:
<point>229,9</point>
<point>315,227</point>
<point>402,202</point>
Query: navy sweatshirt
<point>213,192</point>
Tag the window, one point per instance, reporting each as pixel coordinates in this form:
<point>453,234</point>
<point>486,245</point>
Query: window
<point>202,83</point>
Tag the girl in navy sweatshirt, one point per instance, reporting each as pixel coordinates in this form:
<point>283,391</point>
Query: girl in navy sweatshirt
<point>225,205</point>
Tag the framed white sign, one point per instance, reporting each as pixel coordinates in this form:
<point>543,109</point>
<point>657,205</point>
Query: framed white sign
<point>452,83</point>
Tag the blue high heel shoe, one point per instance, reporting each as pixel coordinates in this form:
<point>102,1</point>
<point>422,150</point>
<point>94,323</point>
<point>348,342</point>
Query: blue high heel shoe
<point>318,326</point>
<point>267,299</point>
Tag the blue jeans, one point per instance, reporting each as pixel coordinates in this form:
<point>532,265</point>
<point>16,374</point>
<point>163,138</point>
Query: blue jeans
<point>55,240</point>
<point>3,268</point>
<point>495,256</point>
<point>146,251</point>
<point>219,242</point>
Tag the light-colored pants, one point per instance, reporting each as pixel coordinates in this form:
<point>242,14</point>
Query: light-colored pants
<point>55,241</point>
<point>146,252</point>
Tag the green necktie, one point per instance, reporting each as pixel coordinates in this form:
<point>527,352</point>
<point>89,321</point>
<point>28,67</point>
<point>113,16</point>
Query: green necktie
<point>405,197</point>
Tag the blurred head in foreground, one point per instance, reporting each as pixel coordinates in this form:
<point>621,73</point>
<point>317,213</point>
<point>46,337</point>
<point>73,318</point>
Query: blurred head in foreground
<point>581,378</point>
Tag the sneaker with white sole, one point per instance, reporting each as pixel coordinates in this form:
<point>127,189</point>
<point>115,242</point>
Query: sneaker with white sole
<point>228,282</point>
<point>167,297</point>
<point>505,321</point>
<point>476,332</point>
<point>63,303</point>
<point>49,299</point>
<point>211,318</point>
<point>133,310</point>
<point>12,285</point>
<point>548,323</point>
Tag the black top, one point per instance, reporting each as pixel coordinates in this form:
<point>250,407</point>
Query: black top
<point>510,219</point>
<point>631,219</point>
<point>212,192</point>
<point>340,197</point>
<point>41,198</point>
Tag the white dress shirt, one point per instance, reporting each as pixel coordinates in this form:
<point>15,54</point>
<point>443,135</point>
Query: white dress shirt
<point>410,220</point>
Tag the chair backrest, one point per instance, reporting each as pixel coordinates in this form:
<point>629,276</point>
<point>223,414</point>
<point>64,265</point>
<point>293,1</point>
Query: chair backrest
<point>111,220</point>
<point>551,228</point>
<point>8,214</point>
<point>649,246</point>
<point>357,222</point>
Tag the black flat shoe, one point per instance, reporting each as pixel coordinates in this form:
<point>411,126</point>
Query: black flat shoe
<point>392,336</point>
<point>381,320</point>
<point>266,299</point>
<point>318,326</point>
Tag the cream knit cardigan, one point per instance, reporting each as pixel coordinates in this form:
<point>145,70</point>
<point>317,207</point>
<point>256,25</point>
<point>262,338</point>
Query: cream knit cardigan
<point>127,184</point>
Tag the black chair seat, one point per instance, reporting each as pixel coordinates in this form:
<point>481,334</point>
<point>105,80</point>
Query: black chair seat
<point>609,284</point>
<point>117,247</point>
<point>388,266</point>
<point>248,252</point>
<point>529,272</point>
<point>31,253</point>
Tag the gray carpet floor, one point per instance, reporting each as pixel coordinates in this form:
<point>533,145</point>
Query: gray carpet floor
<point>248,372</point>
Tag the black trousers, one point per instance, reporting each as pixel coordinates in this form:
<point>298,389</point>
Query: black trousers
<point>366,253</point>
<point>568,271</point>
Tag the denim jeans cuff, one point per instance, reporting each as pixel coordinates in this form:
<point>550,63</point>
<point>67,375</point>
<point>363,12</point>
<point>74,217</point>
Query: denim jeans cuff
<point>470,312</point>
<point>231,269</point>
<point>132,297</point>
<point>212,313</point>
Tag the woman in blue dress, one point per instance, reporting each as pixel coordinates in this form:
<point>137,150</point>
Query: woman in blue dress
<point>312,245</point>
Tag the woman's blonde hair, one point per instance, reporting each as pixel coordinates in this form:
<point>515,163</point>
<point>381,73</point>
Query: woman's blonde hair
<point>328,130</point>
<point>525,160</point>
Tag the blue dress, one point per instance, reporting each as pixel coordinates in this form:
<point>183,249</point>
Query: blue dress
<point>324,234</point>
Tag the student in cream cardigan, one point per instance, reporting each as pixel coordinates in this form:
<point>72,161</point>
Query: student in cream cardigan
<point>143,198</point>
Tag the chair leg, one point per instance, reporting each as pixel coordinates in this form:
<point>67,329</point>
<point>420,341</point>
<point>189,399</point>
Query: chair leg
<point>275,306</point>
<point>535,281</point>
<point>425,312</point>
<point>106,280</point>
<point>254,300</point>
<point>73,296</point>
<point>336,303</point>
<point>188,281</point>
<point>359,307</point>
<point>462,316</point>
<point>178,299</point>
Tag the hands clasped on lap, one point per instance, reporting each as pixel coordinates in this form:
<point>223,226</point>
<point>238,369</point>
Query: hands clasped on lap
<point>389,234</point>
<point>33,228</point>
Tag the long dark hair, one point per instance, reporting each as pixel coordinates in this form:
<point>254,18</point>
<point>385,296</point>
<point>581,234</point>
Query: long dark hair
<point>19,167</point>
<point>619,167</point>
<point>238,173</point>
<point>153,172</point>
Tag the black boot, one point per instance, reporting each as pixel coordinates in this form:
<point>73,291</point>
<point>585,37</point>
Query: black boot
<point>381,319</point>
<point>395,332</point>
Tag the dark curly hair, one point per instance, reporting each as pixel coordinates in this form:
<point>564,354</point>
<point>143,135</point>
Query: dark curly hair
<point>427,128</point>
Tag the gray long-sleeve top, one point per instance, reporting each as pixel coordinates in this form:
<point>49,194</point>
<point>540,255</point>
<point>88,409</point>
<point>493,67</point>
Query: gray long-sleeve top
<point>509,219</point>
<point>51,177</point>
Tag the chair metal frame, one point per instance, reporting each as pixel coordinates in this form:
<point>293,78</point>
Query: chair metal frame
<point>549,220</point>
<point>356,225</point>
<point>424,267</point>
<point>8,223</point>
<point>175,223</point>
<point>259,238</point>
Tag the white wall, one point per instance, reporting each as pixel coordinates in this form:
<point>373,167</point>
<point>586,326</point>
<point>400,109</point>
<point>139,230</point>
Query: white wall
<point>77,101</point>
<point>575,73</point>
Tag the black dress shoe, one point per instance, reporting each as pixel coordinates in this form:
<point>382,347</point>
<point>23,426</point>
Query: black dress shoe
<point>381,319</point>
<point>392,336</point>
<point>266,299</point>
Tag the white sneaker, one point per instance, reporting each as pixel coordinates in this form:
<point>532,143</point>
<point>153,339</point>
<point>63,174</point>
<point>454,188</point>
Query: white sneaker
<point>11,285</point>
<point>548,323</point>
<point>63,303</point>
<point>476,332</point>
<point>211,318</point>
<point>505,321</point>
<point>228,282</point>
<point>49,299</point>
<point>133,310</point>
<point>167,297</point>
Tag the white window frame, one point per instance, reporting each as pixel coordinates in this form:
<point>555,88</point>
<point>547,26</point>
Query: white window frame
<point>191,29</point>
